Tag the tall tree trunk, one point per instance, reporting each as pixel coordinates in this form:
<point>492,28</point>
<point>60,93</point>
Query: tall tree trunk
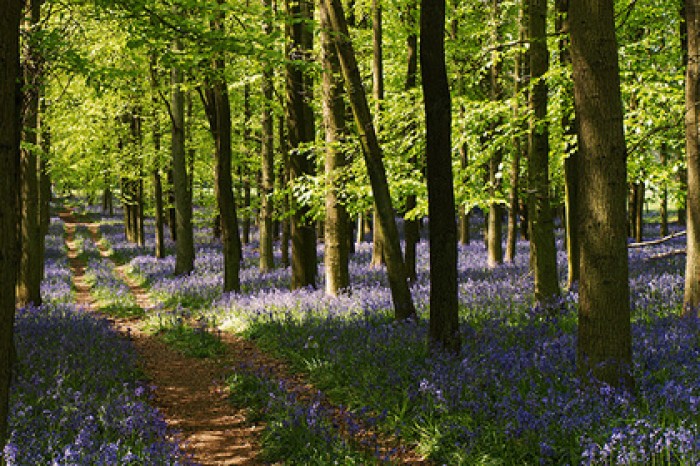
<point>444,305</point>
<point>30,266</point>
<point>218,108</point>
<point>300,121</point>
<point>571,163</point>
<point>398,281</point>
<point>411,225</point>
<point>542,248</point>
<point>604,349</point>
<point>10,103</point>
<point>378,94</point>
<point>337,219</point>
<point>691,297</point>
<point>184,246</point>
<point>519,73</point>
<point>157,180</point>
<point>267,154</point>
<point>495,213</point>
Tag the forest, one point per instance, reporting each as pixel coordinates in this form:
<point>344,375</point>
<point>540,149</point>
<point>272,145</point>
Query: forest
<point>350,232</point>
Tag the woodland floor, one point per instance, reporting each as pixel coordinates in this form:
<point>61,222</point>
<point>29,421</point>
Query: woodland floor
<point>191,392</point>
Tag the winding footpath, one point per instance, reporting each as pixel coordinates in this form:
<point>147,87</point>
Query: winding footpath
<point>192,393</point>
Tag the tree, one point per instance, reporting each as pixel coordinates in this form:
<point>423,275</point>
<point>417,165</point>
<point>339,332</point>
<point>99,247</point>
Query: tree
<point>218,108</point>
<point>10,98</point>
<point>184,246</point>
<point>337,218</point>
<point>543,251</point>
<point>444,305</point>
<point>267,151</point>
<point>495,209</point>
<point>411,225</point>
<point>31,260</point>
<point>378,94</point>
<point>372,153</point>
<point>300,130</point>
<point>691,296</point>
<point>604,333</point>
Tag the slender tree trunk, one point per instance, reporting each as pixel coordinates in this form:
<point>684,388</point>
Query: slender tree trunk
<point>691,297</point>
<point>571,163</point>
<point>171,217</point>
<point>639,211</point>
<point>30,267</point>
<point>10,103</point>
<point>494,240</point>
<point>283,183</point>
<point>245,173</point>
<point>464,212</point>
<point>158,194</point>
<point>184,246</point>
<point>378,94</point>
<point>663,201</point>
<point>542,248</point>
<point>514,196</point>
<point>398,282</point>
<point>337,219</point>
<point>301,129</point>
<point>412,225</point>
<point>444,306</point>
<point>604,349</point>
<point>44,185</point>
<point>268,152</point>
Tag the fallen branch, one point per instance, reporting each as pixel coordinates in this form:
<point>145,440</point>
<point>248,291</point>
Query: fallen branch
<point>663,255</point>
<point>656,241</point>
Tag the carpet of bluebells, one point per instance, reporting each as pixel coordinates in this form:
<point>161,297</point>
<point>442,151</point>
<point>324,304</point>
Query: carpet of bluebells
<point>510,397</point>
<point>77,398</point>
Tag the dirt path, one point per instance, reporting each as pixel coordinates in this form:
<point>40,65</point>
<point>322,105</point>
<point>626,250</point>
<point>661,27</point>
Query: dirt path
<point>190,392</point>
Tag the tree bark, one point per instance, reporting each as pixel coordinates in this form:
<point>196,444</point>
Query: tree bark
<point>184,246</point>
<point>604,333</point>
<point>398,282</point>
<point>300,121</point>
<point>30,266</point>
<point>10,105</point>
<point>542,248</point>
<point>444,305</point>
<point>337,219</point>
<point>691,297</point>
<point>267,262</point>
